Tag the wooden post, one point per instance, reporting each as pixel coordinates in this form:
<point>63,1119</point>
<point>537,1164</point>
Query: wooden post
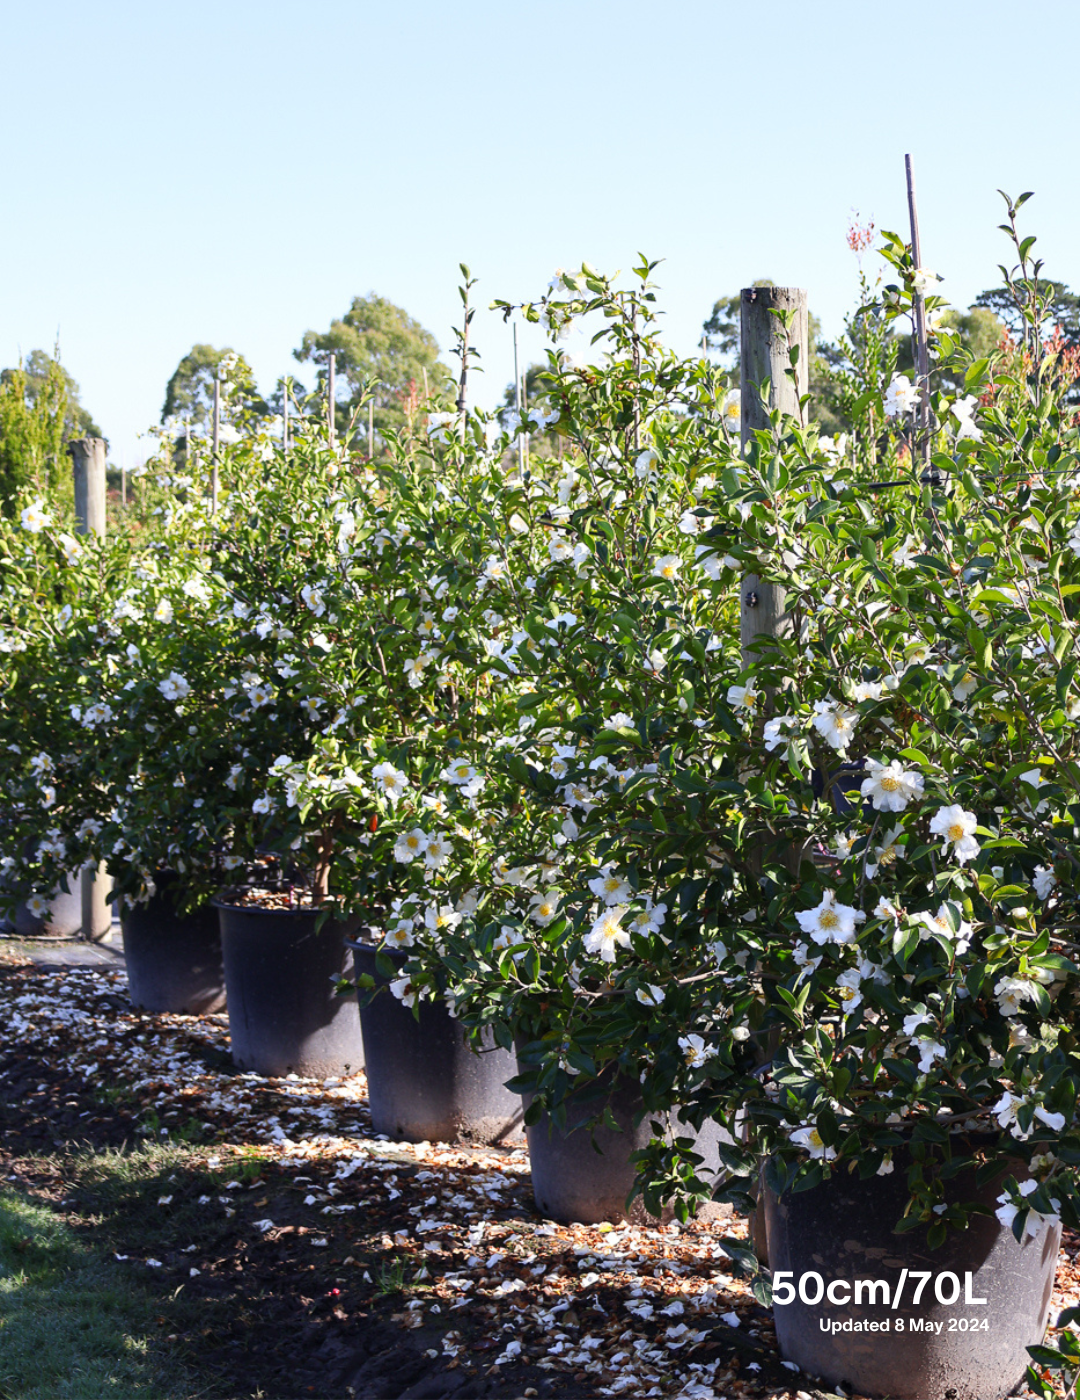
<point>922,354</point>
<point>88,465</point>
<point>216,445</point>
<point>517,404</point>
<point>285,416</point>
<point>764,355</point>
<point>331,389</point>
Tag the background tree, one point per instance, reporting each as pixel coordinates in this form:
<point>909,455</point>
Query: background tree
<point>37,417</point>
<point>379,347</point>
<point>189,394</point>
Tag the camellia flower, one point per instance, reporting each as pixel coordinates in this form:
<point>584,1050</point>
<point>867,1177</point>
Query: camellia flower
<point>939,923</point>
<point>830,922</point>
<point>900,397</point>
<point>544,909</point>
<point>693,1048</point>
<point>731,410</point>
<point>611,888</point>
<point>437,851</point>
<point>891,786</point>
<point>888,853</point>
<point>744,697</point>
<point>390,781</point>
<point>441,916</point>
<point>809,1138</point>
<point>1007,1211</point>
<point>71,547</point>
<point>835,722</point>
<point>667,567</point>
<point>164,611</point>
<point>608,933</point>
<point>774,734</point>
<point>403,989</point>
<point>650,919</point>
<point>35,518</point>
<point>650,996</point>
<point>409,845</point>
<point>313,599</point>
<point>174,686</point>
<point>1044,881</point>
<point>400,935</point>
<point>929,1051</point>
<point>956,827</point>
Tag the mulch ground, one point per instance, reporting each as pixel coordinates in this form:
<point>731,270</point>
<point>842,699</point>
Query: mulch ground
<point>295,1254</point>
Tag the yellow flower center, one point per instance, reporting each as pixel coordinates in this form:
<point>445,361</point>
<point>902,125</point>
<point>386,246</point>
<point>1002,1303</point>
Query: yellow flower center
<point>611,884</point>
<point>815,1138</point>
<point>846,993</point>
<point>956,832</point>
<point>889,783</point>
<point>669,571</point>
<point>829,919</point>
<point>412,843</point>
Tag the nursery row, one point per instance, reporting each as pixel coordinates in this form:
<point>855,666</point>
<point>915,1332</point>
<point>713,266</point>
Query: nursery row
<point>495,710</point>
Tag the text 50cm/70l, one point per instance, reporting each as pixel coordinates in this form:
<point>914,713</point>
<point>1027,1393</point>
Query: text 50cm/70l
<point>812,1289</point>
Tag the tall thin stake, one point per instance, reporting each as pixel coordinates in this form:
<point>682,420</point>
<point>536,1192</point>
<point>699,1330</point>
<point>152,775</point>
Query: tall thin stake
<point>922,354</point>
<point>285,415</point>
<point>216,445</point>
<point>371,430</point>
<point>330,394</point>
<point>517,404</point>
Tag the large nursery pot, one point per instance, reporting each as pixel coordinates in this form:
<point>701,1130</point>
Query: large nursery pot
<point>173,961</point>
<point>825,1240</point>
<point>574,1182</point>
<point>425,1083</point>
<point>62,919</point>
<point>284,1014</point>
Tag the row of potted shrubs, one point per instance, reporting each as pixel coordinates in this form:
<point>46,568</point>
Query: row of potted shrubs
<point>817,897</point>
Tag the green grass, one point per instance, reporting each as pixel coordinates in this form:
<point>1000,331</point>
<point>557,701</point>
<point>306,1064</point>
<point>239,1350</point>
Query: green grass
<point>73,1325</point>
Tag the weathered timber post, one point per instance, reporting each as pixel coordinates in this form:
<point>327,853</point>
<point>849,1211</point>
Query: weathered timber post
<point>765,346</point>
<point>88,468</point>
<point>216,445</point>
<point>331,394</point>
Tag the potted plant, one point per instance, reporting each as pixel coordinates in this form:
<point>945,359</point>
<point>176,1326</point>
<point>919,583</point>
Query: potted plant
<point>906,954</point>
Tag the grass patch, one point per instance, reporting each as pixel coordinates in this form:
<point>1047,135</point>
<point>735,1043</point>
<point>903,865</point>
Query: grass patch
<point>71,1326</point>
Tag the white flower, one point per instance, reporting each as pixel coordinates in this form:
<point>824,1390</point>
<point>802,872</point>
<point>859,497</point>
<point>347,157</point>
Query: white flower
<point>164,611</point>
<point>403,989</point>
<point>37,904</point>
<point>437,851</point>
<point>888,853</point>
<point>965,686</point>
<point>774,732</point>
<point>391,781</point>
<point>957,828</point>
<point>900,397</point>
<point>313,599</point>
<point>801,954</point>
<point>48,795</point>
<point>835,722</point>
<point>667,567</point>
<point>650,996</point>
<point>929,1051</point>
<point>963,411</point>
<point>923,280</point>
<point>441,916</point>
<point>915,1020</point>
<point>196,588</point>
<point>903,554</point>
<point>650,919</point>
<point>809,1138</point>
<point>263,805</point>
<point>848,988</point>
<point>35,518</point>
<point>96,714</point>
<point>891,786</point>
<point>1036,778</point>
<point>744,697</point>
<point>71,547</point>
<point>690,523</point>
<point>611,888</point>
<point>310,705</point>
<point>1007,1211</point>
<point>409,845</point>
<point>731,410</point>
<point>886,909</point>
<point>1044,881</point>
<point>830,922</point>
<point>400,935</point>
<point>544,908</point>
<point>174,686</point>
<point>608,933</point>
<point>939,923</point>
<point>693,1048</point>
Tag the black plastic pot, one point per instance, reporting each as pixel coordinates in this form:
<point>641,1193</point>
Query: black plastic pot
<point>843,1230</point>
<point>573,1182</point>
<point>425,1083</point>
<point>284,1016</point>
<point>173,963</point>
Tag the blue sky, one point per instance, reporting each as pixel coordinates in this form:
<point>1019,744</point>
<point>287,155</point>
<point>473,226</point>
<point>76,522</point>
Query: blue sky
<point>236,172</point>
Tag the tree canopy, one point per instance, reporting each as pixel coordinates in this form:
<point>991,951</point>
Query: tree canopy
<point>39,413</point>
<point>379,349</point>
<point>189,394</point>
